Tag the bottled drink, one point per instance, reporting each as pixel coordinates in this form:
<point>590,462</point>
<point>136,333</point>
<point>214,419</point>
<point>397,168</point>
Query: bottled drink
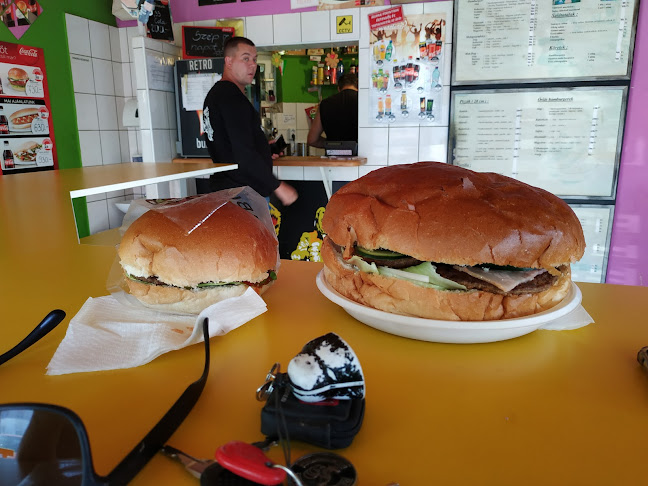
<point>416,72</point>
<point>409,70</point>
<point>4,123</point>
<point>388,104</point>
<point>389,51</point>
<point>7,156</point>
<point>340,69</point>
<point>381,109</point>
<point>397,76</point>
<point>422,105</point>
<point>403,101</point>
<point>383,51</point>
<point>422,49</point>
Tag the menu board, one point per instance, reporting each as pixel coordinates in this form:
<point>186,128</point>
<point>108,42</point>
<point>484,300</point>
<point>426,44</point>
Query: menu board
<point>548,40</point>
<point>596,221</point>
<point>26,130</point>
<point>564,140</point>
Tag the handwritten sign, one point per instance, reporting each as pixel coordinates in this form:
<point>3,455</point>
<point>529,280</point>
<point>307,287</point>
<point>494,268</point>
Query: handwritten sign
<point>200,42</point>
<point>159,23</point>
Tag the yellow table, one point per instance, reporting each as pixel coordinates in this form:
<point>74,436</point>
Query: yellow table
<point>552,407</point>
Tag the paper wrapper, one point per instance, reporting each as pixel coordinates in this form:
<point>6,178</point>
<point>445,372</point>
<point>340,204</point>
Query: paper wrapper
<point>188,213</point>
<point>105,335</point>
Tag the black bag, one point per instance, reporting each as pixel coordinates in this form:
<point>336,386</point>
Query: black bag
<point>331,425</point>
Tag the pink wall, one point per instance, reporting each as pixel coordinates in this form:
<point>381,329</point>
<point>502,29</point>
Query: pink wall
<point>628,263</point>
<point>189,11</point>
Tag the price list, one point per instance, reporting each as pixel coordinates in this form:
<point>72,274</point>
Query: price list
<point>563,140</point>
<point>533,41</point>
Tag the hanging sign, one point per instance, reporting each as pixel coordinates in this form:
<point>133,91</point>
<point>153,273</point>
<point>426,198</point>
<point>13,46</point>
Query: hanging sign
<point>200,42</point>
<point>159,23</point>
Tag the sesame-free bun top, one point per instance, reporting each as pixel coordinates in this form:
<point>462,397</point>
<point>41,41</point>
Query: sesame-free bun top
<point>444,213</point>
<point>17,73</point>
<point>231,245</point>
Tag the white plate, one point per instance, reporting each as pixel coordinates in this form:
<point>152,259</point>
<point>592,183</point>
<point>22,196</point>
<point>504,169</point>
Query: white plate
<point>450,331</point>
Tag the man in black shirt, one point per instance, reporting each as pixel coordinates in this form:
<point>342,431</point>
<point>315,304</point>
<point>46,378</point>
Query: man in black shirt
<point>233,128</point>
<point>337,115</point>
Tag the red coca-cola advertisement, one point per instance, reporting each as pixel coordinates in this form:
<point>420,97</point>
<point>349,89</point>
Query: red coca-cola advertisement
<point>26,127</point>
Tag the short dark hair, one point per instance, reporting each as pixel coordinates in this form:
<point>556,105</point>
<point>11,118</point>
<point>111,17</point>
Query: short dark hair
<point>232,45</point>
<point>348,80</point>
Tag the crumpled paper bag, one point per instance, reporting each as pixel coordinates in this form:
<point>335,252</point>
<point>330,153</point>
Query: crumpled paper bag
<point>106,335</point>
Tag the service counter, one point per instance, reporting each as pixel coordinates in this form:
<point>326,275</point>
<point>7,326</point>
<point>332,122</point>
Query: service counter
<point>324,163</point>
<point>551,407</point>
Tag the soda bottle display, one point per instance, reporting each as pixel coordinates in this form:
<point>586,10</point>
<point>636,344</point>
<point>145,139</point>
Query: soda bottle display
<point>4,123</point>
<point>7,156</point>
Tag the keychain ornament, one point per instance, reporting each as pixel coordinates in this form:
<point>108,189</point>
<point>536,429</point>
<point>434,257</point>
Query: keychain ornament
<point>326,368</point>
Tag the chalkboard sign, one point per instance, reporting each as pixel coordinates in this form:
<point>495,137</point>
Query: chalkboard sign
<point>200,42</point>
<point>159,23</point>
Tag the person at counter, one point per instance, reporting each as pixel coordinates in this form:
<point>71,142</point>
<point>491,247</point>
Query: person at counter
<point>337,115</point>
<point>232,128</point>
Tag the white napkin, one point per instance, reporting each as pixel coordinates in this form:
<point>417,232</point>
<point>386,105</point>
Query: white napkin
<point>572,320</point>
<point>107,335</point>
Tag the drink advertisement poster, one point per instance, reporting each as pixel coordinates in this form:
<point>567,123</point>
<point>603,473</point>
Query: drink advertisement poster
<point>405,68</point>
<point>26,129</point>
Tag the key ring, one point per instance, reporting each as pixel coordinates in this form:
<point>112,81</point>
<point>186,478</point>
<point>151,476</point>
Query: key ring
<point>264,391</point>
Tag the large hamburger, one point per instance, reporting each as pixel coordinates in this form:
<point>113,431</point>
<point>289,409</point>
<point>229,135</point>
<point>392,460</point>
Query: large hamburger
<point>438,241</point>
<point>168,268</point>
<point>17,78</point>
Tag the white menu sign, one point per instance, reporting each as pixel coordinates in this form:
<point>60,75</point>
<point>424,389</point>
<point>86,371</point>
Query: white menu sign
<point>565,141</point>
<point>535,40</point>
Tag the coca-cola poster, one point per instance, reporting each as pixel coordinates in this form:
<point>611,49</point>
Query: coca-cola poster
<point>26,127</point>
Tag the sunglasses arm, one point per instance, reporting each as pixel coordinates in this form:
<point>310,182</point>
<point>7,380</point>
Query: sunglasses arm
<point>150,445</point>
<point>50,321</point>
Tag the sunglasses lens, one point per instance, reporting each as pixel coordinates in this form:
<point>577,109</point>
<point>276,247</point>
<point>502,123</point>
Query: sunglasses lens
<point>39,447</point>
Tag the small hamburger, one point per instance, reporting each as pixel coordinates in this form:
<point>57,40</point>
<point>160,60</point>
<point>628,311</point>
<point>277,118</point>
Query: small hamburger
<point>169,268</point>
<point>17,78</point>
<point>438,241</point>
<point>22,119</point>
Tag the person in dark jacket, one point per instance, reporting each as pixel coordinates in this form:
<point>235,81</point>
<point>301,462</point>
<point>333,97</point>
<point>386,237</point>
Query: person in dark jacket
<point>232,128</point>
<point>337,115</point>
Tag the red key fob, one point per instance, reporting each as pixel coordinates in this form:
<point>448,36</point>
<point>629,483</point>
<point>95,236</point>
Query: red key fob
<point>249,462</point>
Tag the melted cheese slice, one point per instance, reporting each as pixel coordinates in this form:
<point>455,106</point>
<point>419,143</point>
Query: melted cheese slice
<point>505,280</point>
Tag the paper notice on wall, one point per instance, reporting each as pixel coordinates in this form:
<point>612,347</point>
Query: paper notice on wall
<point>159,72</point>
<point>195,88</point>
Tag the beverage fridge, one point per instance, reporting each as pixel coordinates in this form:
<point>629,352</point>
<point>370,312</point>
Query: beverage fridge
<point>193,80</point>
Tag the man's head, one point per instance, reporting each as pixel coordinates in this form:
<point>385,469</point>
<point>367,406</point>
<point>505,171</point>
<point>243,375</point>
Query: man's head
<point>240,61</point>
<point>348,81</point>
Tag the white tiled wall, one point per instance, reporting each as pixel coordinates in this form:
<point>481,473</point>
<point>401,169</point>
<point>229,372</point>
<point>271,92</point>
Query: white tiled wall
<point>101,74</point>
<point>381,145</point>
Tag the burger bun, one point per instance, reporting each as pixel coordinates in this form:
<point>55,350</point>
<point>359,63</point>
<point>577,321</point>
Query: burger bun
<point>229,247</point>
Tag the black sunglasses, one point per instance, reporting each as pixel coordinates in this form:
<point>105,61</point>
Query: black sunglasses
<point>43,444</point>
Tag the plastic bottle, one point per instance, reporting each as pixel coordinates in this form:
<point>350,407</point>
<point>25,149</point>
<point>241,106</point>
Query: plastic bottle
<point>389,51</point>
